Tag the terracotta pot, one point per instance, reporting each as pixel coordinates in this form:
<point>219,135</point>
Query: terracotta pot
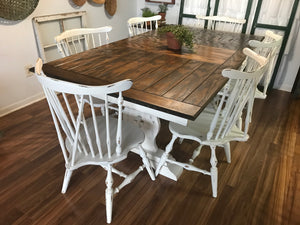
<point>163,16</point>
<point>173,43</point>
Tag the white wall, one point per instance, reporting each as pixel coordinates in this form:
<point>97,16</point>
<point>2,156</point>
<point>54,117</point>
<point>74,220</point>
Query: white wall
<point>18,47</point>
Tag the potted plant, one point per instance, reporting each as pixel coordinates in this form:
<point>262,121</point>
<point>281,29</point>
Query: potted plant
<point>147,12</point>
<point>177,35</point>
<point>162,10</point>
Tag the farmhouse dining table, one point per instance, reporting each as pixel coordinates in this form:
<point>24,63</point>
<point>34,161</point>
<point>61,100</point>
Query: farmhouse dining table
<point>174,86</point>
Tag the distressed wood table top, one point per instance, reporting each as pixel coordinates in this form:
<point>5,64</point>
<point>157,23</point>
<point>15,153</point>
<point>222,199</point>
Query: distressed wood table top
<point>181,84</point>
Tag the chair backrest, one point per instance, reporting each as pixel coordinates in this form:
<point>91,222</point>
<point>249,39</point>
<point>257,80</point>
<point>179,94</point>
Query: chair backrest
<point>268,48</point>
<point>78,40</point>
<point>139,25</point>
<point>83,124</point>
<point>221,23</point>
<point>235,98</point>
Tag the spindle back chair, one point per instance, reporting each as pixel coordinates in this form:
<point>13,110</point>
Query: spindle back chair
<point>221,23</point>
<point>139,25</point>
<point>86,136</point>
<point>78,40</point>
<point>220,127</point>
<point>269,47</point>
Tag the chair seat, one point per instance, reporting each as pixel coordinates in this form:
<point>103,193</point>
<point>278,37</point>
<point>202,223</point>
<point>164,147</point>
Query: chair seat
<point>197,130</point>
<point>132,136</point>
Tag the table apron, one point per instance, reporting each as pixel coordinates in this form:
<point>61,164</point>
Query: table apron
<point>156,113</point>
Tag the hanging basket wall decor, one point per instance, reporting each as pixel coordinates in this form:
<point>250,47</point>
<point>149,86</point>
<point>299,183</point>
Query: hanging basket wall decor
<point>79,2</point>
<point>17,9</point>
<point>111,6</point>
<point>99,1</point>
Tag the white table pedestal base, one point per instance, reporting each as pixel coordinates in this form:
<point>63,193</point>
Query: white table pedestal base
<point>168,170</point>
<point>151,125</point>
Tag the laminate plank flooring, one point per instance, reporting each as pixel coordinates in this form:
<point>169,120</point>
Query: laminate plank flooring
<point>260,187</point>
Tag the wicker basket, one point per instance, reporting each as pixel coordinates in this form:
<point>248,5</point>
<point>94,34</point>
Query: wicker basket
<point>99,1</point>
<point>111,6</point>
<point>17,9</point>
<point>79,2</point>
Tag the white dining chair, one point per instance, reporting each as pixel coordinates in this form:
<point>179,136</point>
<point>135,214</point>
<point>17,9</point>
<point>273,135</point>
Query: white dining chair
<point>269,47</point>
<point>87,137</point>
<point>139,25</point>
<point>78,40</point>
<point>221,23</point>
<point>218,128</point>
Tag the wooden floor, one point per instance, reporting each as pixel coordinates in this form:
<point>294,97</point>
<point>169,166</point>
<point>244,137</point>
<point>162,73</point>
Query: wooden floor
<point>261,186</point>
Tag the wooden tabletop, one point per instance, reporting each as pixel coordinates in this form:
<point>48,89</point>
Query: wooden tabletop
<point>181,84</point>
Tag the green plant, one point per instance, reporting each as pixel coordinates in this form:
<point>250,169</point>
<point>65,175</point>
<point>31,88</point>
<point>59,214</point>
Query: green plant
<point>181,33</point>
<point>163,7</point>
<point>147,12</point>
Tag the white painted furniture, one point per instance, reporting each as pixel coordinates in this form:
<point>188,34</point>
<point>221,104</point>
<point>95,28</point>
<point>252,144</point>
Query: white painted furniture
<point>221,23</point>
<point>169,86</point>
<point>269,48</point>
<point>139,25</point>
<point>78,40</point>
<point>86,137</point>
<point>218,128</point>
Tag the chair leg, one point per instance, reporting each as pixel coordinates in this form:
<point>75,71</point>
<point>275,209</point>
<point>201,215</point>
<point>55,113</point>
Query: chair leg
<point>146,163</point>
<point>214,171</point>
<point>68,174</point>
<point>239,123</point>
<point>195,154</point>
<point>102,110</point>
<point>164,156</point>
<point>109,192</point>
<point>180,140</point>
<point>227,152</point>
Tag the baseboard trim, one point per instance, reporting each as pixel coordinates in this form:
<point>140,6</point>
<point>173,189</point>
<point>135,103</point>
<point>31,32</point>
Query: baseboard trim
<point>287,88</point>
<point>21,104</point>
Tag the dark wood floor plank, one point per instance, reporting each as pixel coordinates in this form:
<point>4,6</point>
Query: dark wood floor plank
<point>260,186</point>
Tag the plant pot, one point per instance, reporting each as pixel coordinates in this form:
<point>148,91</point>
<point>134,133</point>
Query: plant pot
<point>172,42</point>
<point>163,16</point>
